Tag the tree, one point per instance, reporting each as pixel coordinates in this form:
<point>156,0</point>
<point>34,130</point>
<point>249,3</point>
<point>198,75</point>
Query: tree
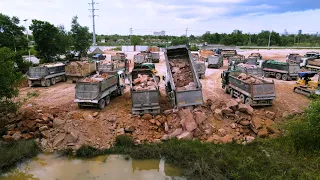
<point>9,77</point>
<point>64,40</point>
<point>11,34</point>
<point>45,36</point>
<point>136,40</point>
<point>80,37</point>
<point>180,41</point>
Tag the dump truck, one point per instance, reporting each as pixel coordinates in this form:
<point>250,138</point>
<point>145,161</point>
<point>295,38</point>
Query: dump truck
<point>312,64</point>
<point>155,57</point>
<point>145,94</point>
<point>200,68</point>
<point>294,58</point>
<point>204,54</point>
<point>280,70</point>
<point>226,53</point>
<point>235,60</point>
<point>117,63</point>
<point>96,91</point>
<point>80,69</point>
<point>183,86</point>
<point>255,55</point>
<point>250,89</point>
<point>46,75</point>
<point>215,61</point>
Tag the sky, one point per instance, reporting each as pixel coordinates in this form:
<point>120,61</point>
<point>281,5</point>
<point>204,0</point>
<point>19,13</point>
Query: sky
<point>173,16</point>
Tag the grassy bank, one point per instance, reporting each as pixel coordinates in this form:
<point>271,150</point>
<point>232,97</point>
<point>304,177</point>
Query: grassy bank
<point>293,156</point>
<point>15,152</point>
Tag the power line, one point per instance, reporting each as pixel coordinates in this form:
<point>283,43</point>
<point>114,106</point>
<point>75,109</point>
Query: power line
<point>94,41</point>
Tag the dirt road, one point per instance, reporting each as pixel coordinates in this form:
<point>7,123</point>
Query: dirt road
<point>101,131</point>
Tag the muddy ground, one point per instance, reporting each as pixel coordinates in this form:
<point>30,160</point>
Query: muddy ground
<point>100,131</point>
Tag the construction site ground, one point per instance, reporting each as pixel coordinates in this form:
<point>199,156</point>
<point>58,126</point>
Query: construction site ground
<point>100,131</point>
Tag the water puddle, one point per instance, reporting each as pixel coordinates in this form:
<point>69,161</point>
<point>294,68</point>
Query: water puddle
<point>113,167</point>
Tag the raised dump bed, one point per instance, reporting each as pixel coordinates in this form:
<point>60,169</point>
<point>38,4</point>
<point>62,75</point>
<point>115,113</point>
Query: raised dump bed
<point>183,86</point>
<point>80,69</point>
<point>46,75</point>
<point>145,94</point>
<point>250,89</point>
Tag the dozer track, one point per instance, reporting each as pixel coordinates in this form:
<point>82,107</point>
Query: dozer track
<point>304,91</point>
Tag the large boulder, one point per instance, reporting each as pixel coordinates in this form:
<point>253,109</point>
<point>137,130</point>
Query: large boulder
<point>245,108</point>
<point>227,139</point>
<point>200,117</point>
<point>58,139</point>
<point>58,122</point>
<point>222,132</point>
<point>232,104</point>
<point>185,135</point>
<point>187,120</point>
<point>147,117</point>
<point>46,134</point>
<point>263,133</point>
<point>175,133</point>
<point>270,114</point>
<point>17,136</point>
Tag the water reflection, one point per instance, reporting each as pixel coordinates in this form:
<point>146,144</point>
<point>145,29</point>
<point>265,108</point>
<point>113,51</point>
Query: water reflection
<point>114,167</point>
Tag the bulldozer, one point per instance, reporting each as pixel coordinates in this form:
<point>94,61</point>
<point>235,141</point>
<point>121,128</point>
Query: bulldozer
<point>306,86</point>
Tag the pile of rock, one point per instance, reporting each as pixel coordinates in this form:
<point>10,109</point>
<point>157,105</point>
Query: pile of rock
<point>96,77</point>
<point>187,123</point>
<point>248,66</point>
<point>246,124</point>
<point>249,79</point>
<point>181,72</point>
<point>144,82</point>
<point>29,124</point>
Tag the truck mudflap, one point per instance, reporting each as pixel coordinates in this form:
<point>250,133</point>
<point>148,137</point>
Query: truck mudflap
<point>266,102</point>
<point>146,110</point>
<point>189,98</point>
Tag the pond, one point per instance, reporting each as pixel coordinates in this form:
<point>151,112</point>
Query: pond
<point>113,167</point>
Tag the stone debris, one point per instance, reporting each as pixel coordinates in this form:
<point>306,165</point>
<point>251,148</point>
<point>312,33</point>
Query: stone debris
<point>182,74</point>
<point>144,82</point>
<point>96,78</point>
<point>249,79</point>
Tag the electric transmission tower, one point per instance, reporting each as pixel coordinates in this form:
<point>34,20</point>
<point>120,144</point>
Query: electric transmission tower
<point>94,41</point>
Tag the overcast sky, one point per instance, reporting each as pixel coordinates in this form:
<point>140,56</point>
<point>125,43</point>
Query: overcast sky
<point>174,16</point>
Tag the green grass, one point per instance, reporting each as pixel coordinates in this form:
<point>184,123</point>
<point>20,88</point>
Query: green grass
<point>14,152</point>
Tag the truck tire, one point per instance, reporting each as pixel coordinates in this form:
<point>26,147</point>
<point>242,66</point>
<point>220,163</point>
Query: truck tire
<point>101,104</point>
<point>53,81</point>
<point>227,90</point>
<point>284,77</point>
<point>63,78</point>
<point>120,91</point>
<point>107,100</point>
<point>203,76</point>
<point>30,83</point>
<point>248,101</point>
<point>232,92</point>
<point>80,106</point>
<point>266,74</point>
<point>278,76</point>
<point>243,98</point>
<point>48,82</point>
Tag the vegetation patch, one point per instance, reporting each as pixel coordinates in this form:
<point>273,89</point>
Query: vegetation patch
<point>15,152</point>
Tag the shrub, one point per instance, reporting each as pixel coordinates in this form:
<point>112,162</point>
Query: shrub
<point>124,140</point>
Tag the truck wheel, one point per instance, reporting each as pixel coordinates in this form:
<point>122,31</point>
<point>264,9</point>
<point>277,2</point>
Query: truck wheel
<point>232,93</point>
<point>203,76</point>
<point>30,83</point>
<point>63,78</point>
<point>278,76</point>
<point>120,91</point>
<point>243,98</point>
<point>248,101</point>
<point>265,74</point>
<point>284,77</point>
<point>80,106</point>
<point>227,89</point>
<point>102,104</point>
<point>53,81</point>
<point>48,83</point>
<point>107,100</point>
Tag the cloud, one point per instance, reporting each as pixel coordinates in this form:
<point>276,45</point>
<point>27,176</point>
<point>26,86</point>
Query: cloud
<point>174,16</point>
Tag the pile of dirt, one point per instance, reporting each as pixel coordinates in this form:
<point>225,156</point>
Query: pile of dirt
<point>144,82</point>
<point>249,79</point>
<point>181,72</point>
<point>96,78</point>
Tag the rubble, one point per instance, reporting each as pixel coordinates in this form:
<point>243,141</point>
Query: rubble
<point>144,82</point>
<point>249,79</point>
<point>182,74</point>
<point>96,78</point>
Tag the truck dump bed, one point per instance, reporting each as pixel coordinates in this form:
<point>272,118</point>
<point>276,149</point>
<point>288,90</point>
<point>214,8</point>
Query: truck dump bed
<point>183,77</point>
<point>314,62</point>
<point>91,88</point>
<point>250,69</point>
<point>80,68</point>
<point>228,53</point>
<point>45,70</point>
<point>111,66</point>
<point>254,87</point>
<point>281,67</point>
<point>145,94</point>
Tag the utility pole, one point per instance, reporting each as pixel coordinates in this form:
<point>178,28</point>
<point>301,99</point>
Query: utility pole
<point>187,32</point>
<point>130,34</point>
<point>25,21</point>
<point>269,40</point>
<point>94,41</point>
